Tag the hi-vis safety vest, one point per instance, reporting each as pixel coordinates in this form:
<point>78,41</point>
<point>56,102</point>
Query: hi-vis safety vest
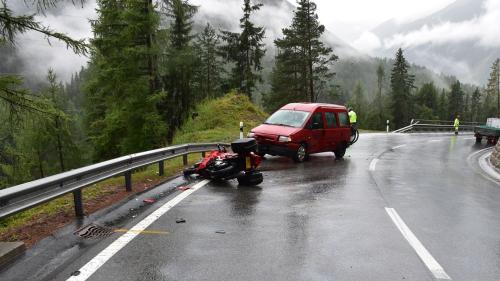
<point>457,123</point>
<point>353,118</point>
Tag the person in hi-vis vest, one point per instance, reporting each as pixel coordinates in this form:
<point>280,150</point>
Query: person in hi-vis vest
<point>457,124</point>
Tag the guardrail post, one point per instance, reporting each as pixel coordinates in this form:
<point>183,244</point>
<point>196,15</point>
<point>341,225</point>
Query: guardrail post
<point>77,197</point>
<point>161,168</point>
<point>241,130</point>
<point>128,181</point>
<point>185,159</point>
<point>387,126</point>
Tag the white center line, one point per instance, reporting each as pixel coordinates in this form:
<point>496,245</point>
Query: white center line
<point>93,265</point>
<point>399,146</point>
<point>373,164</point>
<point>421,251</point>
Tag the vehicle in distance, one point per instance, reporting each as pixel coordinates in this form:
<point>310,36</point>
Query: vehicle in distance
<point>300,129</point>
<point>491,131</point>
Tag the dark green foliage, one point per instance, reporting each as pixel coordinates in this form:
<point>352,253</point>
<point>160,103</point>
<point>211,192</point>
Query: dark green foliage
<point>120,102</point>
<point>180,63</point>
<point>209,73</point>
<point>42,144</point>
<point>245,50</point>
<point>491,102</point>
<point>475,105</point>
<point>401,86</point>
<point>302,68</point>
<point>455,101</point>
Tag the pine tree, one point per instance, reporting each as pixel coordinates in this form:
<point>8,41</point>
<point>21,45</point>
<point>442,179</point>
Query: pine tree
<point>455,100</point>
<point>302,67</point>
<point>120,106</point>
<point>475,105</point>
<point>210,68</point>
<point>401,86</point>
<point>245,50</point>
<point>180,61</point>
<point>11,91</point>
<point>492,100</point>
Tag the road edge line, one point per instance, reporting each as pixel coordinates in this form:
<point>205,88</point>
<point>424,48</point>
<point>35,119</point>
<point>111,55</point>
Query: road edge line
<point>429,261</point>
<point>100,259</point>
<point>373,165</point>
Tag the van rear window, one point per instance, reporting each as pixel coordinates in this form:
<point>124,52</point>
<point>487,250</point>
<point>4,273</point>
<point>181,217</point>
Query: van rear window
<point>344,119</point>
<point>331,120</point>
<point>288,118</point>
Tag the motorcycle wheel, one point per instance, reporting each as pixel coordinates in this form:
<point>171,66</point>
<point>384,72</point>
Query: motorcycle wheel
<point>253,178</point>
<point>224,172</point>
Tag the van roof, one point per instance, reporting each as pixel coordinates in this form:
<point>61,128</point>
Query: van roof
<point>310,107</point>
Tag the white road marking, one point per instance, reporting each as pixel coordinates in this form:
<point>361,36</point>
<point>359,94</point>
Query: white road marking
<point>435,140</point>
<point>399,146</point>
<point>373,164</point>
<point>93,265</point>
<point>421,251</point>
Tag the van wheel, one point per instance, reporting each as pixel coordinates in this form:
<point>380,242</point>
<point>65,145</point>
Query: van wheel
<point>340,152</point>
<point>301,154</point>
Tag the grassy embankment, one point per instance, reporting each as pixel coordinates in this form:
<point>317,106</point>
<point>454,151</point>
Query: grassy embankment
<point>217,121</point>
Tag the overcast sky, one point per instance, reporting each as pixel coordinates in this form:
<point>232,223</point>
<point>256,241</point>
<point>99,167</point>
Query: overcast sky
<point>351,20</point>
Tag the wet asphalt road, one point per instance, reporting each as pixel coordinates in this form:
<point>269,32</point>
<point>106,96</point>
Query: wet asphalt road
<point>320,220</point>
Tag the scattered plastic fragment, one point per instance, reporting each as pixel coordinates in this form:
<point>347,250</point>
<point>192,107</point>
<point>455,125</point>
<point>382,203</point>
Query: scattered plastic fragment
<point>75,273</point>
<point>184,187</point>
<point>149,201</point>
<point>220,232</point>
<point>149,180</point>
<point>180,220</point>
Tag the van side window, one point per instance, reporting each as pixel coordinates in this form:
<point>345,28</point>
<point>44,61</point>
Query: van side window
<point>318,120</point>
<point>331,120</point>
<point>344,119</point>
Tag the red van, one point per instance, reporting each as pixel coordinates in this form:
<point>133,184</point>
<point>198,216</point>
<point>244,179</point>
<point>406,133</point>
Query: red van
<point>300,129</point>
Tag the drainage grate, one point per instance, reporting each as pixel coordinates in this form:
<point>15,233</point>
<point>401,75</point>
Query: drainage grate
<point>93,231</point>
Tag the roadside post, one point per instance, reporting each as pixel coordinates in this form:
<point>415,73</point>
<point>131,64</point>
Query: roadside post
<point>387,126</point>
<point>241,130</point>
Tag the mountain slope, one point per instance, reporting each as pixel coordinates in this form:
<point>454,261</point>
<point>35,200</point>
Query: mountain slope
<point>453,40</point>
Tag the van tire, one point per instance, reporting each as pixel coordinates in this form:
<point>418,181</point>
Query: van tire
<point>340,152</point>
<point>301,154</point>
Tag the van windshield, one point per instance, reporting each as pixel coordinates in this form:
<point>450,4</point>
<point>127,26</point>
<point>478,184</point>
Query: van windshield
<point>288,118</point>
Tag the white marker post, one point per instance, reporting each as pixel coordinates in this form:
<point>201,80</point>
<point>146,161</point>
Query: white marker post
<point>241,130</point>
<point>387,126</point>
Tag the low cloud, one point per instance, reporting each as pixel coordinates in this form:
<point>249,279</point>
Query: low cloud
<point>483,30</point>
<point>367,43</point>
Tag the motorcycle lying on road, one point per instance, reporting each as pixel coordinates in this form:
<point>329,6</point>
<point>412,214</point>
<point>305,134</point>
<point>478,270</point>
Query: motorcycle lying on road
<point>221,165</point>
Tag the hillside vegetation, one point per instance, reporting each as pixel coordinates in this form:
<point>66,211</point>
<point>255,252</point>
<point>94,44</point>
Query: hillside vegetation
<point>218,120</point>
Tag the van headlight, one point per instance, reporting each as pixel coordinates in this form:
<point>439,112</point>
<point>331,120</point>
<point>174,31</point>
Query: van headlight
<point>284,139</point>
<point>251,135</point>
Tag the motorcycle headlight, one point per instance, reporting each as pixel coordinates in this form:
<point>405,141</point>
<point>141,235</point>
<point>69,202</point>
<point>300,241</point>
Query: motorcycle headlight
<point>284,139</point>
<point>250,135</point>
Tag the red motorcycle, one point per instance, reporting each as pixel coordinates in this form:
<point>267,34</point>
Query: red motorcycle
<point>241,164</point>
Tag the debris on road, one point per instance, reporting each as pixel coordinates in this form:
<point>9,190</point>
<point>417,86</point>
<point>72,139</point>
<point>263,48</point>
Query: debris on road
<point>184,187</point>
<point>220,232</point>
<point>180,220</point>
<point>75,273</point>
<point>149,200</point>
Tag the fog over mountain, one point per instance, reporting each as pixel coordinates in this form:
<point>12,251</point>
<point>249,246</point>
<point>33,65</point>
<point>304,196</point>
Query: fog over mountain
<point>458,40</point>
<point>462,39</point>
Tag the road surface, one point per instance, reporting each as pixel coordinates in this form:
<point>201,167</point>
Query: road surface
<point>399,207</point>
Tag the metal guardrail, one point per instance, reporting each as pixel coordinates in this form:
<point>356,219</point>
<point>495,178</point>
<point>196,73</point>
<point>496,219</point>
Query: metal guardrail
<point>28,195</point>
<point>442,122</point>
<point>417,125</point>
